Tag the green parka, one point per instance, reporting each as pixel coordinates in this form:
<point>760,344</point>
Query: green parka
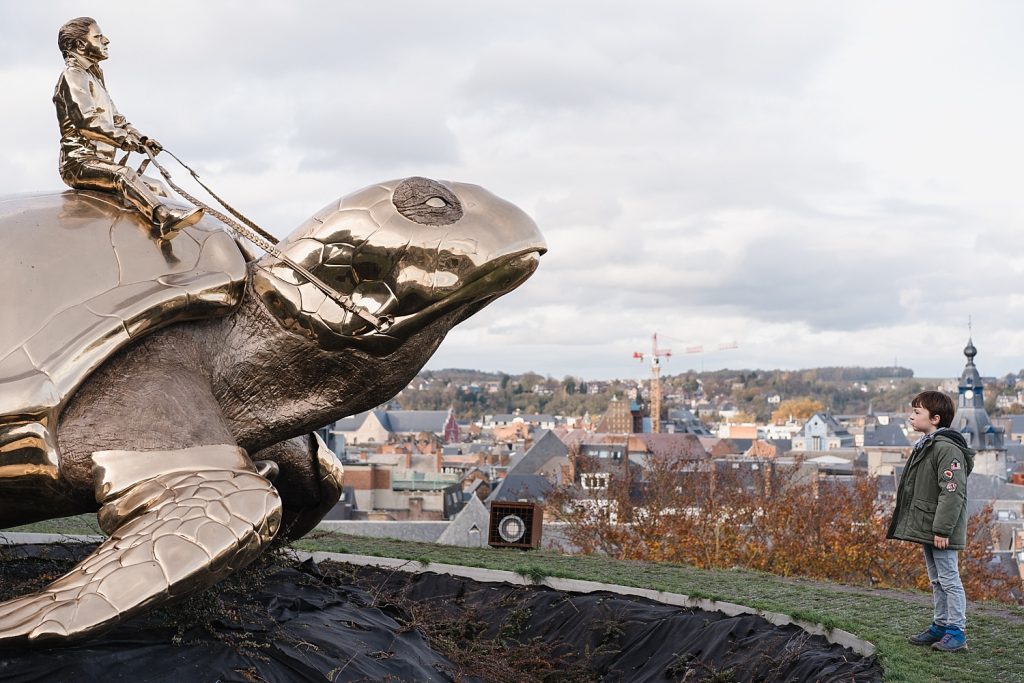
<point>932,496</point>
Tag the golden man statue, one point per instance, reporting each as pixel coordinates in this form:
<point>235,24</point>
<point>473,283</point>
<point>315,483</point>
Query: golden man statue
<point>92,131</point>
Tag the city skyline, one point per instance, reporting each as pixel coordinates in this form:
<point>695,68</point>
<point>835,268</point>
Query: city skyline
<point>822,185</point>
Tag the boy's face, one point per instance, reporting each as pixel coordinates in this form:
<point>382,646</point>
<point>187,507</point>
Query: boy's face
<point>922,421</point>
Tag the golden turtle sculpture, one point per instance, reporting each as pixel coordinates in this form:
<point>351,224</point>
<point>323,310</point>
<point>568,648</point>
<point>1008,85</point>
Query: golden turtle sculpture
<point>172,386</point>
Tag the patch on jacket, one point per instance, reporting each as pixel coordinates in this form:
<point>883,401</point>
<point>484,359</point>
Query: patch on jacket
<point>948,474</point>
<point>955,465</point>
<point>951,486</point>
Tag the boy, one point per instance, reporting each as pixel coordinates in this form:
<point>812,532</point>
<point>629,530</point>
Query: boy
<point>931,509</point>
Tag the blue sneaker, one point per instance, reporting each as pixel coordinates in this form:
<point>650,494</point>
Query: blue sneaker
<point>932,634</point>
<point>955,640</point>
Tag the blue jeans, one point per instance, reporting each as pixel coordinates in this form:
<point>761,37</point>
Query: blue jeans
<point>947,592</point>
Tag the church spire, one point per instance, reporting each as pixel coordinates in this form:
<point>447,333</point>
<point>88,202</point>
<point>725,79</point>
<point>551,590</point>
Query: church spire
<point>971,418</point>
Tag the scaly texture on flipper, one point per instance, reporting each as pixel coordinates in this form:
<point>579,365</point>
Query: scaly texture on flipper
<point>170,535</point>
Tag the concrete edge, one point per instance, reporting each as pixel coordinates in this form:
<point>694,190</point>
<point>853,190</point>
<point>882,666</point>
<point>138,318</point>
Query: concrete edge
<point>26,538</point>
<point>832,635</point>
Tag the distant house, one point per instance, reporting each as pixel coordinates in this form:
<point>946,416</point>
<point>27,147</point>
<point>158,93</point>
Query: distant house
<point>667,446</point>
<point>384,491</point>
<point>683,421</point>
<point>622,417</point>
<point>530,420</point>
<point>1013,425</point>
<point>382,426</point>
<point>728,410</point>
<point>763,449</point>
<point>822,432</point>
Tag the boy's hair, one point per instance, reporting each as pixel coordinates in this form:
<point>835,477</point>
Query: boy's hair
<point>936,403</point>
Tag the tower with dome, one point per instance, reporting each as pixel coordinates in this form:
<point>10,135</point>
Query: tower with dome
<point>971,420</point>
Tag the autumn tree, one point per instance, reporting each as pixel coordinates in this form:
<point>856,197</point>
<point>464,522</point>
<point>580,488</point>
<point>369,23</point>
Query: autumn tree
<point>796,409</point>
<point>785,519</point>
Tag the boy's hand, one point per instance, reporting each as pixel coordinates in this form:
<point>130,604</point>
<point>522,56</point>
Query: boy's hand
<point>940,542</point>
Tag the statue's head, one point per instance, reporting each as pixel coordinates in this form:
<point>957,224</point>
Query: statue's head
<point>82,36</point>
<point>408,251</point>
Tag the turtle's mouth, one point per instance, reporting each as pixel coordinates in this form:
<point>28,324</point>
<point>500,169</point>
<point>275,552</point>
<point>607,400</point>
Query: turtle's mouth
<point>497,278</point>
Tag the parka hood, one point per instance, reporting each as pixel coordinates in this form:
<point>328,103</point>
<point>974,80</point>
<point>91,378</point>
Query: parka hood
<point>957,439</point>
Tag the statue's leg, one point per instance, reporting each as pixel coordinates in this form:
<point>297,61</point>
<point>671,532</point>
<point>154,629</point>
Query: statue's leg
<point>178,521</point>
<point>157,187</point>
<point>310,479</point>
<point>106,176</point>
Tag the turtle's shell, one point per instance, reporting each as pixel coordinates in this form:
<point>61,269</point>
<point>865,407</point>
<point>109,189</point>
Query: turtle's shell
<point>81,277</point>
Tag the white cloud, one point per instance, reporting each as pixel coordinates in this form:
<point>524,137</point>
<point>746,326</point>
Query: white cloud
<point>824,183</point>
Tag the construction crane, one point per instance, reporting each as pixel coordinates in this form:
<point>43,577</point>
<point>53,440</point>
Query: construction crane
<point>656,354</point>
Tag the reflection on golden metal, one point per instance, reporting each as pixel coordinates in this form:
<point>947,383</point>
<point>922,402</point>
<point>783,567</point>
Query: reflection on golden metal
<point>92,131</point>
<point>330,483</point>
<point>178,521</point>
<point>87,281</point>
<point>84,279</point>
<point>409,249</point>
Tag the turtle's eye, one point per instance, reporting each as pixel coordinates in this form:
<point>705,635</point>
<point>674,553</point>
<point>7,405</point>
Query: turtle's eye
<point>426,202</point>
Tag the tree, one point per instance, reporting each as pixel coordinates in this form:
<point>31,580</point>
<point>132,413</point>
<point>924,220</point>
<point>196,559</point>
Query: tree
<point>797,409</point>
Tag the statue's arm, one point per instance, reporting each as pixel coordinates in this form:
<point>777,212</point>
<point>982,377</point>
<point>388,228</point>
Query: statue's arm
<point>121,122</point>
<point>84,113</point>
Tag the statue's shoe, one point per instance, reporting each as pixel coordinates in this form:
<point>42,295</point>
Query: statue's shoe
<point>175,221</point>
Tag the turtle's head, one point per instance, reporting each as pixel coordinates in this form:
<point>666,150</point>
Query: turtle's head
<point>405,252</point>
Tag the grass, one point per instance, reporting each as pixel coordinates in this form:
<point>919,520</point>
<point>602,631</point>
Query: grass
<point>885,618</point>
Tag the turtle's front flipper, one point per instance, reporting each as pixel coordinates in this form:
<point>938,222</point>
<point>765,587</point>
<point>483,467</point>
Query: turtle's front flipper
<point>178,521</point>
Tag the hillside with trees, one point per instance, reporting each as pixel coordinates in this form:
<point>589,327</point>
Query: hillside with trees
<point>841,390</point>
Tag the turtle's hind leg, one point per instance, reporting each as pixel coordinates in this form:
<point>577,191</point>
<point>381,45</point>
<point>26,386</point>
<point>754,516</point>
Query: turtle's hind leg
<point>31,488</point>
<point>178,521</point>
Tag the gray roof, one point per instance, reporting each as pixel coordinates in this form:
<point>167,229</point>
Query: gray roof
<point>885,435</point>
<point>547,446</point>
<point>469,527</point>
<point>681,414</point>
<point>1014,423</point>
<point>523,480</point>
<point>352,422</point>
<point>398,421</point>
<point>516,486</point>
<point>415,421</point>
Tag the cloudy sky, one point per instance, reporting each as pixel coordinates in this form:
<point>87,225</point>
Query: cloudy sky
<point>820,183</point>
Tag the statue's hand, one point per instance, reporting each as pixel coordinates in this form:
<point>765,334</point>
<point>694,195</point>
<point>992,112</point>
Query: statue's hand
<point>132,143</point>
<point>154,146</point>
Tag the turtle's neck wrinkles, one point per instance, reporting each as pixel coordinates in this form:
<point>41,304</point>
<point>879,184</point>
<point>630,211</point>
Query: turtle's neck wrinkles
<point>273,384</point>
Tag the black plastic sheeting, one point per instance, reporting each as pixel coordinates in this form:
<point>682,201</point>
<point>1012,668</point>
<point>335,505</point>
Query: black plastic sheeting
<point>649,641</point>
<point>307,623</point>
<point>294,627</point>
